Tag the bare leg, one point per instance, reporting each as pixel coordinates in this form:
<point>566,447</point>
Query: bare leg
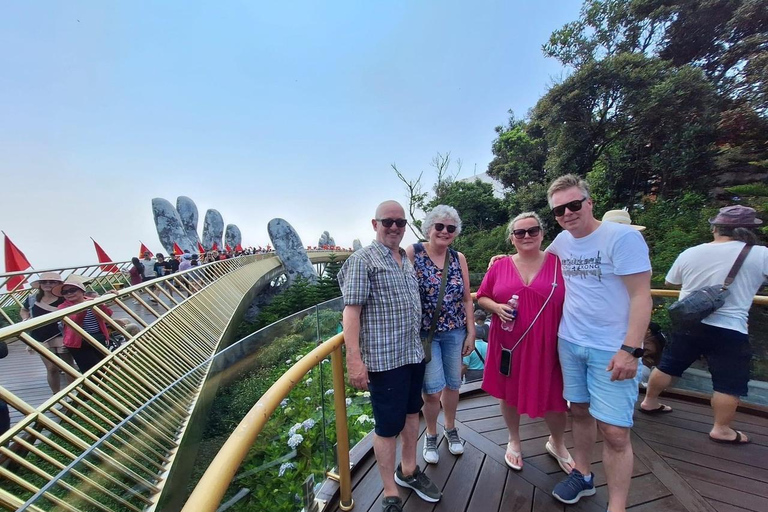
<point>512,419</point>
<point>556,423</point>
<point>450,400</point>
<point>52,375</point>
<point>431,409</point>
<point>584,434</point>
<point>384,448</point>
<point>410,436</point>
<point>618,460</point>
<point>658,382</point>
<point>724,407</point>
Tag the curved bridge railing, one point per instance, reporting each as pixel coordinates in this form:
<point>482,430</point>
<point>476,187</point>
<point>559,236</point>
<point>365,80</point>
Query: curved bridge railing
<point>110,438</point>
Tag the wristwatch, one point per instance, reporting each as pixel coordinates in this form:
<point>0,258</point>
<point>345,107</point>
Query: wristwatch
<point>636,352</point>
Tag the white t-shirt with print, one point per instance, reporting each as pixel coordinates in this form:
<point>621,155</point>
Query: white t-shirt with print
<point>596,309</point>
<point>708,265</point>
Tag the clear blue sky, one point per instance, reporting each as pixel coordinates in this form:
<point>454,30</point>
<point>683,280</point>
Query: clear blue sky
<point>258,109</point>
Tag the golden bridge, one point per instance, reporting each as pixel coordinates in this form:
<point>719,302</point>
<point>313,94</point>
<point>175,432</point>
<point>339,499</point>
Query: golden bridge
<point>129,434</point>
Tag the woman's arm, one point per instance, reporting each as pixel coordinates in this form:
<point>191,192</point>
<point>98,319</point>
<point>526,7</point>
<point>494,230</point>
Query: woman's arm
<point>469,308</point>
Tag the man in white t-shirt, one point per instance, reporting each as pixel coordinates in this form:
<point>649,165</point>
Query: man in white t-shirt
<point>606,313</point>
<point>722,336</point>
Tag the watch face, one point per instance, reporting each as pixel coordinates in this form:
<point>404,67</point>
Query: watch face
<point>638,352</point>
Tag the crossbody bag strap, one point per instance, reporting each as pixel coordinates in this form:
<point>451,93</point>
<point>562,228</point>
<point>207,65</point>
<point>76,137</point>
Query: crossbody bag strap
<point>440,296</point>
<point>552,292</point>
<point>480,355</point>
<point>736,266</point>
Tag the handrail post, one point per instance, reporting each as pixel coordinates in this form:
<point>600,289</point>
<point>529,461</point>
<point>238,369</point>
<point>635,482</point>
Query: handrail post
<point>342,433</point>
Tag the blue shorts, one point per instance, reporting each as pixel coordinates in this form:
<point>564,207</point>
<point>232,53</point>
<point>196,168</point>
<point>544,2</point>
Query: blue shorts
<point>395,394</point>
<point>444,370</point>
<point>586,381</point>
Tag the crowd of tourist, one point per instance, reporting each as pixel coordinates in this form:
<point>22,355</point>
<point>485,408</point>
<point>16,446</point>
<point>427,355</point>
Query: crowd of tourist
<point>569,332</point>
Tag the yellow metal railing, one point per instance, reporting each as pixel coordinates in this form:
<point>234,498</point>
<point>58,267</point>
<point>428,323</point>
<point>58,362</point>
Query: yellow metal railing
<point>211,488</point>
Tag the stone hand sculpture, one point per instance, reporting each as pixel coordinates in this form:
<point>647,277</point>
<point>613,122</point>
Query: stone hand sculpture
<point>179,225</point>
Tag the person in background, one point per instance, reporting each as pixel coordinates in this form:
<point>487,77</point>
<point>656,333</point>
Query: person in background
<point>481,325</point>
<point>473,365</point>
<point>37,305</point>
<point>454,335</point>
<point>149,267</point>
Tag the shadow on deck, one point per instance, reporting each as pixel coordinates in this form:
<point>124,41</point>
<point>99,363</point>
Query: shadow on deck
<point>676,467</point>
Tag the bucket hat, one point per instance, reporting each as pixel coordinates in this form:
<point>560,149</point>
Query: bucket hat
<point>736,216</point>
<point>621,217</point>
<point>46,276</point>
<point>71,281</point>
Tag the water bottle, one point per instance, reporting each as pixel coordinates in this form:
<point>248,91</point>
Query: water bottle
<point>512,303</point>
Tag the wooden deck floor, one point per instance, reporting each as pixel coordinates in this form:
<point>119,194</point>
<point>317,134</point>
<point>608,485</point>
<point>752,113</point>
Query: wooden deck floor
<point>677,468</point>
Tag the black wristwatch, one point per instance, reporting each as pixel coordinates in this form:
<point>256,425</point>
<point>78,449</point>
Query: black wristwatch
<point>636,352</point>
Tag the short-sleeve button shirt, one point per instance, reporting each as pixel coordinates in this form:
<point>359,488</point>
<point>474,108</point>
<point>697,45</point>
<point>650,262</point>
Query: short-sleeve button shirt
<point>391,306</point>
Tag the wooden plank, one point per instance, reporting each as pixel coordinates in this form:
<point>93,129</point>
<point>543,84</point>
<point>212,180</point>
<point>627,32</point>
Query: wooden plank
<point>518,494</point>
<point>668,504</point>
<point>479,401</point>
<point>488,411</point>
<point>726,507</point>
<point>458,489</point>
<point>731,496</point>
<point>486,496</point>
<point>715,476</point>
<point>543,502</point>
<point>670,453</point>
<point>676,484</point>
<point>705,409</point>
<point>642,489</point>
<point>675,419</point>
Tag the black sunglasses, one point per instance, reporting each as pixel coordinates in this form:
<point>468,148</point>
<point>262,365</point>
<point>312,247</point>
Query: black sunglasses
<point>532,232</point>
<point>397,222</point>
<point>48,282</point>
<point>67,291</point>
<point>449,228</point>
<point>574,206</point>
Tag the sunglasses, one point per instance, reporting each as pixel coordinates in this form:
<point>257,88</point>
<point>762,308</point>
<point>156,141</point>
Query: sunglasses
<point>449,228</point>
<point>573,206</point>
<point>49,282</point>
<point>69,291</point>
<point>532,232</point>
<point>397,222</point>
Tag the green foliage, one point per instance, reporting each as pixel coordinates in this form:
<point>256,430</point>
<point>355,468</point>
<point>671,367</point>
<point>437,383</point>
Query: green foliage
<point>478,208</point>
<point>13,312</point>
<point>478,247</point>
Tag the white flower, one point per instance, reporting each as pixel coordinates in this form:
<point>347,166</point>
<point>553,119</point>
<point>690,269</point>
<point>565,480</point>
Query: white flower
<point>366,394</point>
<point>363,418</point>
<point>309,381</point>
<point>295,440</point>
<point>326,361</point>
<point>283,402</point>
<point>298,357</point>
<point>308,424</point>
<point>329,392</point>
<point>288,361</point>
<point>348,401</point>
<point>294,429</point>
<point>307,398</point>
<point>285,466</point>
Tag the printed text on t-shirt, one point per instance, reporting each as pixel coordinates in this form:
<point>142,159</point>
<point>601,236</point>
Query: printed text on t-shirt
<point>581,266</point>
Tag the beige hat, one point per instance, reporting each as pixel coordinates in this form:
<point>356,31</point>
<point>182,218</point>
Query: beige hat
<point>621,217</point>
<point>46,276</point>
<point>71,281</point>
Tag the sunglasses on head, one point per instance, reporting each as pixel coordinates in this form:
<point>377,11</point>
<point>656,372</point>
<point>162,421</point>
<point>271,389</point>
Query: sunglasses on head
<point>573,206</point>
<point>397,222</point>
<point>68,291</point>
<point>449,228</point>
<point>532,232</point>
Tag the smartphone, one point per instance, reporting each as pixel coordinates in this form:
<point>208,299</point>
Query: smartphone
<point>505,366</point>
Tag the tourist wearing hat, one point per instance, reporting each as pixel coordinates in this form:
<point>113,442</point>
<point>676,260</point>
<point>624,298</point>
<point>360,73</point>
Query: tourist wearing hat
<point>621,217</point>
<point>86,355</point>
<point>722,337</point>
<point>41,303</point>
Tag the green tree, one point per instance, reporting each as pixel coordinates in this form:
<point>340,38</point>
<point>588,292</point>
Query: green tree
<point>478,208</point>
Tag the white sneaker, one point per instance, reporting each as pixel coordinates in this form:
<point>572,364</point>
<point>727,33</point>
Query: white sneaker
<point>455,445</point>
<point>430,449</point>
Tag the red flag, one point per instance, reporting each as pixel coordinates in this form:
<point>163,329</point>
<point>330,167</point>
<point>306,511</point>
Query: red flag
<point>143,250</point>
<point>103,258</point>
<point>239,248</point>
<point>228,248</point>
<point>215,247</point>
<point>200,248</point>
<point>177,250</point>
<point>15,261</point>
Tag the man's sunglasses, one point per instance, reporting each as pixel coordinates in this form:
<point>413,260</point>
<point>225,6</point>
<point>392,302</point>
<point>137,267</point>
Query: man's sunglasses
<point>449,228</point>
<point>69,291</point>
<point>397,222</point>
<point>574,206</point>
<point>532,232</point>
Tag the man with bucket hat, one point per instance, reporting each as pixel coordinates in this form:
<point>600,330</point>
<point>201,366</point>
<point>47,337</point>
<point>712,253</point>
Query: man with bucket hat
<point>722,336</point>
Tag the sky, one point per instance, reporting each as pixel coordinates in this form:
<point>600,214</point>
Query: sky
<point>257,109</point>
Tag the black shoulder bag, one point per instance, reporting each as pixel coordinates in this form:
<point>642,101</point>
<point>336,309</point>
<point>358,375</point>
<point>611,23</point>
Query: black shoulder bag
<point>687,313</point>
<point>427,342</point>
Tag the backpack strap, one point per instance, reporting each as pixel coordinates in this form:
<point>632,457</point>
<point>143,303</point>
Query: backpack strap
<point>736,266</point>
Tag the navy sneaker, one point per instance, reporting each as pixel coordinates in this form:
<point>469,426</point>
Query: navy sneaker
<point>420,483</point>
<point>571,489</point>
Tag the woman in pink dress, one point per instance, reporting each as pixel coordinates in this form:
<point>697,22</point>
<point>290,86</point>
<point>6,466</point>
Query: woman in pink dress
<point>535,384</point>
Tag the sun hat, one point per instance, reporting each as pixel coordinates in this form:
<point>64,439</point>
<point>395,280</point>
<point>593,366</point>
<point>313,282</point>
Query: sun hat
<point>46,276</point>
<point>736,216</point>
<point>70,281</point>
<point>621,217</point>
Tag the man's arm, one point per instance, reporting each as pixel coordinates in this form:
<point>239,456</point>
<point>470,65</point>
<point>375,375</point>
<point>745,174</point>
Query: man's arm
<point>623,365</point>
<point>357,373</point>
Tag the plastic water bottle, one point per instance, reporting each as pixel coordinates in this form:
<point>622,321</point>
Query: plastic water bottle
<point>512,303</point>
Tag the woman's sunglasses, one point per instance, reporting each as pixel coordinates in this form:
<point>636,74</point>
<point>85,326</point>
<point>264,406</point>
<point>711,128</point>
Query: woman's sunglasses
<point>69,291</point>
<point>532,232</point>
<point>574,206</point>
<point>397,222</point>
<point>49,282</point>
<point>449,228</point>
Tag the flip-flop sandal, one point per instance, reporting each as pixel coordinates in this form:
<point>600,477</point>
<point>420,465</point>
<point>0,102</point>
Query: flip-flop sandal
<point>736,440</point>
<point>661,409</point>
<point>515,454</point>
<point>561,461</point>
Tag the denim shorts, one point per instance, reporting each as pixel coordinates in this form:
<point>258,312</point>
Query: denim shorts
<point>395,394</point>
<point>444,370</point>
<point>585,380</point>
<point>728,354</point>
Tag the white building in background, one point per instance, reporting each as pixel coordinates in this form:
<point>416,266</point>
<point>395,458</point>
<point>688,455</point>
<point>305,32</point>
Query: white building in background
<point>498,188</point>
